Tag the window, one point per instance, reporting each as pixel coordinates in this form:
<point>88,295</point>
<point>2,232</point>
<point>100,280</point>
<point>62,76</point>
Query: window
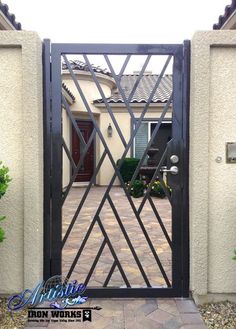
<point>141,140</point>
<point>144,134</point>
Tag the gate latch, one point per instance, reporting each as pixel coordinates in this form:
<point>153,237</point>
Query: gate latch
<point>174,170</point>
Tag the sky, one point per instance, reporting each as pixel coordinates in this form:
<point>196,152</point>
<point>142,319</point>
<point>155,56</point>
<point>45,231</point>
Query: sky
<point>121,21</point>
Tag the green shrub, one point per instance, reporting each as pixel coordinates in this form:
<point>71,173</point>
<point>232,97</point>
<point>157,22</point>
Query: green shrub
<point>4,182</point>
<point>157,190</point>
<point>127,168</point>
<point>137,189</point>
<point>234,258</point>
<point>4,179</point>
<point>2,234</point>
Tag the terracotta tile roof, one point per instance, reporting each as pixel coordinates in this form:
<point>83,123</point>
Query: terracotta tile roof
<point>78,65</point>
<point>143,90</point>
<point>11,17</point>
<point>223,18</point>
<point>67,90</point>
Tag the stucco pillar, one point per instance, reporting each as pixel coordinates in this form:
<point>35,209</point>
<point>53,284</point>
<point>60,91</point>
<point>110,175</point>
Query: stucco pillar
<point>21,128</point>
<point>212,183</point>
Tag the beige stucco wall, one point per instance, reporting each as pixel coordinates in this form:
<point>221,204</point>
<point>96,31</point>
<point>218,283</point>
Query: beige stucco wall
<point>21,254</point>
<point>89,89</point>
<point>114,143</point>
<point>212,184</point>
<point>103,119</point>
<point>79,111</point>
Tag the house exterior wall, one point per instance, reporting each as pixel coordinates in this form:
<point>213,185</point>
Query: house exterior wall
<point>114,143</point>
<point>21,126</point>
<point>80,112</point>
<point>212,187</point>
<point>89,89</point>
<point>103,119</point>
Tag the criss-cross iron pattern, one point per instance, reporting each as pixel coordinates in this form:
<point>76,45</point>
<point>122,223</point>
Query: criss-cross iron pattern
<point>116,167</point>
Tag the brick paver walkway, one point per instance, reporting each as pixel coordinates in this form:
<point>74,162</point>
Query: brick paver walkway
<point>117,239</point>
<point>175,313</point>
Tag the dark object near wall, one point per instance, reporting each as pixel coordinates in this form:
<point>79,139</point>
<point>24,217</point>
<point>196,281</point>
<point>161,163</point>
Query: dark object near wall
<point>149,169</point>
<point>137,189</point>
<point>128,167</point>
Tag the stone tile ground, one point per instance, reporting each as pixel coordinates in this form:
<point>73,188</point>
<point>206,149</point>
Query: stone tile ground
<point>175,313</point>
<point>124,313</point>
<point>117,238</point>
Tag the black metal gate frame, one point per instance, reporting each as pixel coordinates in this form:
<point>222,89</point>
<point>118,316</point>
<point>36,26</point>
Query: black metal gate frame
<point>53,166</point>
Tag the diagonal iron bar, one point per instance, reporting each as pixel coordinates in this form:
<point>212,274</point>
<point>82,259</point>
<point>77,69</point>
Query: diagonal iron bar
<point>140,76</point>
<point>147,196</point>
<point>70,115</point>
<point>150,142</point>
<point>150,96</point>
<point>95,262</point>
<point>94,122</point>
<point>113,252</point>
<point>92,180</point>
<point>109,274</point>
<point>97,219</point>
<point>68,154</point>
<point>81,160</point>
<point>134,132</point>
<point>160,222</point>
<point>163,185</point>
<point>116,169</point>
<point>128,241</point>
<point>124,66</point>
<point>105,101</point>
<point>119,87</point>
<point>138,124</point>
<point>143,230</point>
<point>84,241</point>
<point>152,182</point>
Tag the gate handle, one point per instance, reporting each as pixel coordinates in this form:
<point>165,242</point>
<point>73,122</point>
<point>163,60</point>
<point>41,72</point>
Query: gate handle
<point>174,170</point>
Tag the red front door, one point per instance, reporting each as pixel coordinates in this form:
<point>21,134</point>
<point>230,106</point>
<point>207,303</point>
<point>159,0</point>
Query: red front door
<point>86,171</point>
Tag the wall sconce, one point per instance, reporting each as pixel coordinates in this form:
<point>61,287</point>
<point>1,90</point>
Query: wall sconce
<point>109,130</point>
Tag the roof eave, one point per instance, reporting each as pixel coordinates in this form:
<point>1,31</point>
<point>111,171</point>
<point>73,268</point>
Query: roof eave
<point>151,105</point>
<point>226,21</point>
<point>230,23</point>
<point>5,24</point>
<point>7,20</point>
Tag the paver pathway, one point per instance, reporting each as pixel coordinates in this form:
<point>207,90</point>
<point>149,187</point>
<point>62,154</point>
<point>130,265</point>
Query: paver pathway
<point>117,238</point>
<point>175,313</point>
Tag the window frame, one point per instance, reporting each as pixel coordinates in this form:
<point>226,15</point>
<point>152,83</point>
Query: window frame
<point>149,121</point>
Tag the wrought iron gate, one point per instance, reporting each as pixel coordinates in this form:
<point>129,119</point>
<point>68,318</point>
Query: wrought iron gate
<point>142,234</point>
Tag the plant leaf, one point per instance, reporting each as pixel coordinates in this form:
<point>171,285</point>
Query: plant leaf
<point>2,235</point>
